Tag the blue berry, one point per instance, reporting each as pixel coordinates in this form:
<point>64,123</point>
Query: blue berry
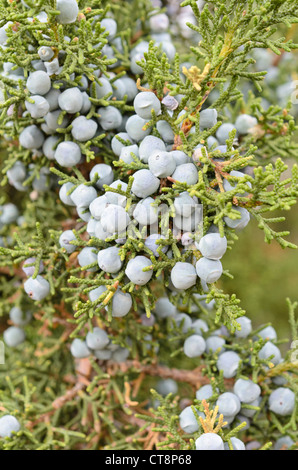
<point>68,154</point>
<point>97,206</point>
<point>164,308</point>
<point>37,288</point>
<point>68,11</point>
<point>49,146</point>
<point>18,317</point>
<point>88,256</point>
<point>117,145</point>
<point>38,83</point>
<point>14,336</point>
<point>109,118</point>
<point>244,123</point>
<point>183,275</point>
<point>228,362</point>
<point>159,23</point>
<point>8,425</point>
<point>103,89</point>
<point>165,131</point>
<point>222,134</point>
<point>268,350</point>
<point>161,164</point>
<point>200,326</point>
<point>126,152</point>
<point>166,386</point>
<point>215,344</point>
<point>103,354</point>
<point>114,219</point>
<point>188,421</point>
<point>194,346</point>
<point>268,333</point>
<point>183,321</point>
<point>180,157</point>
<point>71,100</point>
<point>149,145</point>
<point>228,404</point>
<point>31,137</point>
<point>209,441</point>
<point>65,198</point>
<point>144,184</point>
<point>110,25</point>
<point>135,128</point>
<point>184,204</point>
<point>8,213</point>
<point>146,102</point>
<point>83,195</point>
<point>151,244</point>
<point>29,270</point>
<point>145,213</point>
<point>212,246</point>
<point>186,173</point>
<point>283,443</point>
<point>52,118</point>
<point>105,175</point>
<point>237,444</point>
<point>208,118</point>
<point>134,270</point>
<point>83,129</point>
<point>97,339</point>
<point>121,303</point>
<point>39,108</point>
<point>109,260</point>
<point>94,294</point>
<point>246,327</point>
<point>64,241</point>
<point>209,270</point>
<point>120,355</point>
<point>238,223</point>
<point>45,53</point>
<point>79,349</point>
<point>115,198</point>
<point>246,390</point>
<point>204,393</point>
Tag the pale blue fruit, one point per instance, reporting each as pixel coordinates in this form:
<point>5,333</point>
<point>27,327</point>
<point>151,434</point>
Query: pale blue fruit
<point>87,256</point>
<point>37,288</point>
<point>83,129</point>
<point>149,145</point>
<point>228,362</point>
<point>105,175</point>
<point>135,128</point>
<point>228,404</point>
<point>183,275</point>
<point>31,138</point>
<point>97,339</point>
<point>186,173</point>
<point>38,83</point>
<point>14,336</point>
<point>146,102</point>
<point>194,346</point>
<point>68,11</point>
<point>282,401</point>
<point>134,270</point>
<point>268,350</point>
<point>109,260</point>
<point>8,425</point>
<point>209,441</point>
<point>79,349</point>
<point>83,195</point>
<point>212,246</point>
<point>68,154</point>
<point>209,270</point>
<point>246,390</point>
<point>64,241</point>
<point>144,184</point>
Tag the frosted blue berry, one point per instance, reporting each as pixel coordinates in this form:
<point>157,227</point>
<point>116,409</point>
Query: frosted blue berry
<point>183,275</point>
<point>268,333</point>
<point>188,421</point>
<point>71,100</point>
<point>268,350</point>
<point>117,145</point>
<point>68,11</point>
<point>68,154</point>
<point>209,441</point>
<point>184,204</point>
<point>180,157</point>
<point>39,108</point>
<point>121,303</point>
<point>103,354</point>
<point>8,425</point>
<point>64,241</point>
<point>120,355</point>
<point>244,123</point>
<point>109,260</point>
<point>249,413</point>
<point>38,83</point>
<point>18,317</point>
<point>204,393</point>
<point>52,118</point>
<point>194,346</point>
<point>161,164</point>
<point>105,175</point>
<point>100,233</point>
<point>146,102</point>
<point>165,131</point>
<point>45,53</point>
<point>49,146</point>
<point>31,137</point>
<point>164,308</point>
<point>283,443</point>
<point>215,344</point>
<point>282,401</point>
<point>149,145</point>
<point>65,198</point>
<point>135,270</point>
<point>222,134</point>
<point>166,386</point>
<point>109,118</point>
<point>186,173</point>
<point>144,184</point>
<point>115,198</point>
<point>228,362</point>
<point>246,327</point>
<point>97,206</point>
<point>79,349</point>
<point>83,129</point>
<point>209,270</point>
<point>94,294</point>
<point>159,23</point>
<point>126,153</point>
<point>37,288</point>
<point>103,89</point>
<point>114,219</point>
<point>212,246</point>
<point>86,106</point>
<point>200,326</point>
<point>52,67</point>
<point>246,390</point>
<point>87,256</point>
<point>151,244</point>
<point>84,213</point>
<point>8,213</point>
<point>183,321</point>
<point>17,173</point>
<point>237,444</point>
<point>29,270</point>
<point>208,118</point>
<point>229,186</point>
<point>228,404</point>
<point>135,128</point>
<point>238,223</point>
<point>83,195</point>
<point>110,26</point>
<point>14,336</point>
<point>97,339</point>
